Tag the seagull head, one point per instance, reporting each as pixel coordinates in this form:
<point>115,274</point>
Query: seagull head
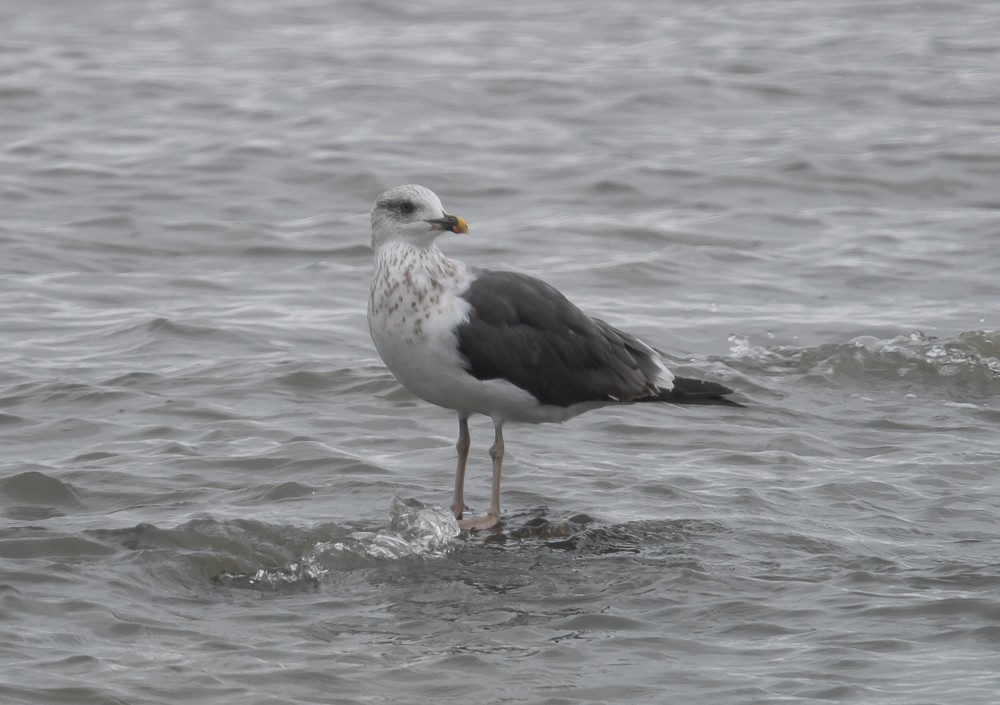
<point>411,214</point>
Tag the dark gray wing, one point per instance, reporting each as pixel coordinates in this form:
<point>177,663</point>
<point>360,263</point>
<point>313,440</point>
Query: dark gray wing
<point>694,391</point>
<point>524,331</point>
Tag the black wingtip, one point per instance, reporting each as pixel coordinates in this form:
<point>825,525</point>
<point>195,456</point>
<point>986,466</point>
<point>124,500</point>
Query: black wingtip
<point>696,391</point>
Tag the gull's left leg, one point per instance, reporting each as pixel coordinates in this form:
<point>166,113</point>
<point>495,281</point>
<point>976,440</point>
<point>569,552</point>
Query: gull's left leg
<point>464,441</point>
<point>492,517</point>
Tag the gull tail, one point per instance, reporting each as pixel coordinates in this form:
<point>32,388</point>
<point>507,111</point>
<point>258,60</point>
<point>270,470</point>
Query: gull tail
<point>695,391</point>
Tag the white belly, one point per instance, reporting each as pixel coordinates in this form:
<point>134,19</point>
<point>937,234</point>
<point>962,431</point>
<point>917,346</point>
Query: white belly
<point>413,311</point>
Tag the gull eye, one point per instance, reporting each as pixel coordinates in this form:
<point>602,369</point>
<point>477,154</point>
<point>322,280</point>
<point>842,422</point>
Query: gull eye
<point>407,207</point>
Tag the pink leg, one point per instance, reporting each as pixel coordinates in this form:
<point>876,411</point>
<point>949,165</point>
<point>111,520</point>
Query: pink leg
<point>492,517</point>
<point>464,441</point>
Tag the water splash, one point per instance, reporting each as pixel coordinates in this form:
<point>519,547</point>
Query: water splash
<point>741,346</point>
<point>976,350</point>
<point>305,572</point>
<point>414,530</point>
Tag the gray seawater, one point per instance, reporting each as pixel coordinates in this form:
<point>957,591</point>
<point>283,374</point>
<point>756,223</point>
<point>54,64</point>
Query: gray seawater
<point>211,490</point>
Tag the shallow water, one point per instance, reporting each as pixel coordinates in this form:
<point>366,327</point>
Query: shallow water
<point>202,450</point>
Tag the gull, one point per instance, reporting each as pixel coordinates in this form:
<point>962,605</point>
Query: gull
<point>501,344</point>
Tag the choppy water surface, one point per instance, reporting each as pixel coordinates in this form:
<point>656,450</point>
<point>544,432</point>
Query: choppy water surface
<point>212,491</point>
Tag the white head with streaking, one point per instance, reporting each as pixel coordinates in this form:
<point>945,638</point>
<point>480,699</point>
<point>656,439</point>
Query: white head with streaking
<point>412,214</point>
